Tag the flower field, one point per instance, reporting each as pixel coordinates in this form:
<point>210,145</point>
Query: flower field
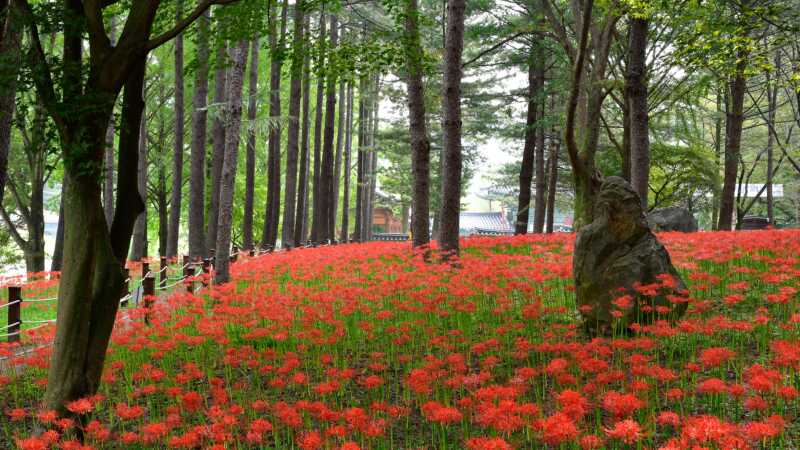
<point>365,346</point>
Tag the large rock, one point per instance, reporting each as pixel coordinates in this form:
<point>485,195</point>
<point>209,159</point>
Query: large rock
<point>623,275</point>
<point>672,218</point>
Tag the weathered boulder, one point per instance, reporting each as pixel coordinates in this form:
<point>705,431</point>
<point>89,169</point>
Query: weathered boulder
<point>623,274</point>
<point>672,218</point>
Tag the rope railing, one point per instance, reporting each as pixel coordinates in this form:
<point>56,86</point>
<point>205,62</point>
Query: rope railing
<point>138,289</point>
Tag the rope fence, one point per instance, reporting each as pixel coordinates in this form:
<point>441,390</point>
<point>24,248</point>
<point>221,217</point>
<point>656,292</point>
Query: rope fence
<point>143,289</point>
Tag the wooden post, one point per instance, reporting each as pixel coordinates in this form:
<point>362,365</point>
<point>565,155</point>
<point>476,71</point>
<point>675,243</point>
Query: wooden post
<point>164,275</point>
<point>252,252</point>
<point>14,312</point>
<point>126,287</point>
<point>148,294</point>
<point>235,252</point>
<point>185,265</point>
<point>189,282</point>
<point>145,269</point>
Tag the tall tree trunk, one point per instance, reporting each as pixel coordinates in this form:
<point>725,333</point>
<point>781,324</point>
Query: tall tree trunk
<point>9,72</point>
<point>301,221</point>
<point>362,117</point>
<point>58,250</point>
<point>108,176</point>
<point>733,140</point>
<point>337,163</point>
<point>250,157</point>
<point>636,87</point>
<point>288,238</point>
<point>139,246</point>
<point>772,97</point>
<point>228,178</point>
<point>269,236</point>
<point>420,144</point>
<point>173,232</point>
<point>451,130</point>
<point>552,180</point>
<point>373,156</point>
<point>162,202</point>
<point>197,178</point>
<point>626,136</point>
<point>317,192</point>
<point>218,144</point>
<point>541,183</point>
<point>92,277</point>
<point>721,100</point>
<point>348,142</point>
<point>326,169</point>
<point>529,149</point>
<point>34,252</point>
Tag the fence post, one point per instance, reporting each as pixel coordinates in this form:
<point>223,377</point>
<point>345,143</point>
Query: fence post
<point>189,282</point>
<point>185,265</point>
<point>163,269</point>
<point>126,286</point>
<point>14,313</point>
<point>145,269</point>
<point>252,252</point>
<point>148,294</point>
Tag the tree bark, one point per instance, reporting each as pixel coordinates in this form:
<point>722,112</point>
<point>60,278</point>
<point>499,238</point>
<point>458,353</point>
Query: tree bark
<point>173,232</point>
<point>636,88</point>
<point>197,178</point>
<point>345,237</point>
<point>228,178</point>
<point>250,157</point>
<point>301,220</point>
<point>420,144</point>
<point>733,139</point>
<point>288,239</point>
<point>529,149</point>
<point>451,130</point>
<point>218,147</point>
<point>272,212</point>
<point>10,59</point>
<point>316,221</point>
<point>326,170</point>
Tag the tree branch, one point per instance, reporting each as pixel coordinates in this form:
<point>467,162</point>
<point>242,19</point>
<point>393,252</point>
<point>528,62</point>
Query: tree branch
<point>183,23</point>
<point>572,106</point>
<point>22,243</point>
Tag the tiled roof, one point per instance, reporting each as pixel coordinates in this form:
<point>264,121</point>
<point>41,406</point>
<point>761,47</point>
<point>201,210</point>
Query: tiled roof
<point>494,221</point>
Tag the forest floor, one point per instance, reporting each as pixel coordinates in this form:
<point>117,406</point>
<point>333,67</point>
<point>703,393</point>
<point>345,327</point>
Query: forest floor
<point>366,346</point>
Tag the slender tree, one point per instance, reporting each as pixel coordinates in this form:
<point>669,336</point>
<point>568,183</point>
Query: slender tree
<point>318,191</point>
<point>10,58</point>
<point>218,144</point>
<point>529,149</point>
<point>325,216</point>
<point>293,133</point>
<point>636,90</point>
<point>451,130</point>
<point>139,244</point>
<point>420,144</point>
<point>539,206</point>
<point>108,175</point>
<point>269,235</point>
<point>176,197</point>
<point>337,163</point>
<point>250,157</point>
<point>197,174</point>
<point>347,166</point>
<point>228,177</point>
<point>301,221</point>
<point>552,180</point>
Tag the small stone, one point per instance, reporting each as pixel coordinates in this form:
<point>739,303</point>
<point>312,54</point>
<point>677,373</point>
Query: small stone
<point>623,274</point>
